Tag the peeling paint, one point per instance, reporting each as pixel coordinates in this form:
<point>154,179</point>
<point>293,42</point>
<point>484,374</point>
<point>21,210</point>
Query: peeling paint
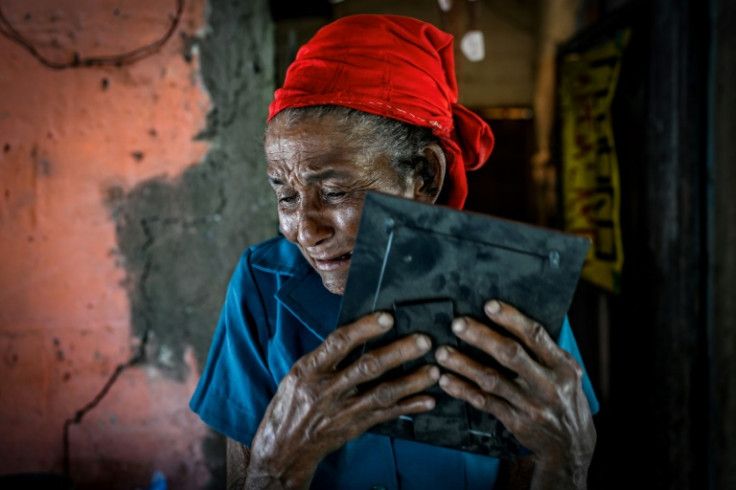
<point>119,233</point>
<point>180,239</point>
<point>64,316</point>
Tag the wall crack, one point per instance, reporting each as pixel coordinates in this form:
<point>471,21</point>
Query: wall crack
<point>138,358</point>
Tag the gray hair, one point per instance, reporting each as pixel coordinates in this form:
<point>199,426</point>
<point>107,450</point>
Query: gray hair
<point>402,143</point>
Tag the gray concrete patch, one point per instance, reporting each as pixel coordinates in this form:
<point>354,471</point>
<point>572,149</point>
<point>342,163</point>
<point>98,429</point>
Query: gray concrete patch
<point>180,239</point>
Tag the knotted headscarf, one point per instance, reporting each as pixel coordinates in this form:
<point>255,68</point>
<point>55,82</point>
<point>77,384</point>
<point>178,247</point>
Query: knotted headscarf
<point>396,67</point>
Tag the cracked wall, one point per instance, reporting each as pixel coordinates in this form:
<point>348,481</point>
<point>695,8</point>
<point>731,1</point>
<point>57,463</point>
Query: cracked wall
<point>180,240</point>
<point>126,196</point>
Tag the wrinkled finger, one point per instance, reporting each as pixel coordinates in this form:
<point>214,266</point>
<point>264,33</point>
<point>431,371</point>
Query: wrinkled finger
<point>342,341</point>
<point>388,394</point>
<point>486,402</point>
<point>530,332</point>
<point>352,422</point>
<point>506,351</point>
<point>376,362</point>
<point>488,379</point>
<point>407,406</point>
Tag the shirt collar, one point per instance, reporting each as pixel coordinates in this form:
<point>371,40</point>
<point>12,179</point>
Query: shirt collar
<point>278,256</point>
<point>302,291</point>
<point>306,298</point>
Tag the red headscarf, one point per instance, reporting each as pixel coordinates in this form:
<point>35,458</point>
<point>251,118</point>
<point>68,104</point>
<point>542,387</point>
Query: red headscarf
<point>395,67</point>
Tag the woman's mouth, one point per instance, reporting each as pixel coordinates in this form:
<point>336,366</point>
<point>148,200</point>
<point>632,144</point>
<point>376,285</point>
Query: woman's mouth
<point>334,262</point>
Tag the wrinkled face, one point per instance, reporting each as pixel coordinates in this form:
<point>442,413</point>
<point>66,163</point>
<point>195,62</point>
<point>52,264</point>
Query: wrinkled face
<point>320,175</point>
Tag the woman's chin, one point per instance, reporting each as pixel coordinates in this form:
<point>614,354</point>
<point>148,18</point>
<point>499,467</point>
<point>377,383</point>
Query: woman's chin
<point>335,285</point>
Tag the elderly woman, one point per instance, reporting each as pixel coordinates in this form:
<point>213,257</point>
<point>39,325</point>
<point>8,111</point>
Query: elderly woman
<point>370,104</point>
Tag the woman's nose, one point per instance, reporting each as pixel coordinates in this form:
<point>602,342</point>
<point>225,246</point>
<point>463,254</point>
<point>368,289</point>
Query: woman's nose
<point>314,227</point>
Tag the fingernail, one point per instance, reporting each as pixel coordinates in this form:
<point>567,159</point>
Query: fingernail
<point>423,342</point>
<point>459,325</point>
<point>434,373</point>
<point>385,320</point>
<point>444,381</point>
<point>493,307</point>
<point>440,354</point>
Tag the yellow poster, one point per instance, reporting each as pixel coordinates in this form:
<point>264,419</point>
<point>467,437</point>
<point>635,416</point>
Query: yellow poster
<point>591,187</point>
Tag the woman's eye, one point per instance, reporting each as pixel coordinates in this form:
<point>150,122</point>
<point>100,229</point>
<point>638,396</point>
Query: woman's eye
<point>334,194</point>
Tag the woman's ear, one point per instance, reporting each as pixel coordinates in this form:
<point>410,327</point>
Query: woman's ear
<point>429,173</point>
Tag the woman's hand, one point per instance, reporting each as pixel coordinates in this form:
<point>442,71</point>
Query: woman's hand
<point>543,406</point>
<point>318,408</point>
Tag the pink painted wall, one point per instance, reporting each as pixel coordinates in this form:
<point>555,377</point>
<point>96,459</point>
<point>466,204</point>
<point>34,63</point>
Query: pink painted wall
<point>66,137</point>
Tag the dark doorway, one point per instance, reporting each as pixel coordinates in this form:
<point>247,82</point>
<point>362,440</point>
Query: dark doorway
<point>502,186</point>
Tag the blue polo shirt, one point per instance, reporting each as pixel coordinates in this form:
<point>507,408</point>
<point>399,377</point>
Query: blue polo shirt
<point>276,310</point>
